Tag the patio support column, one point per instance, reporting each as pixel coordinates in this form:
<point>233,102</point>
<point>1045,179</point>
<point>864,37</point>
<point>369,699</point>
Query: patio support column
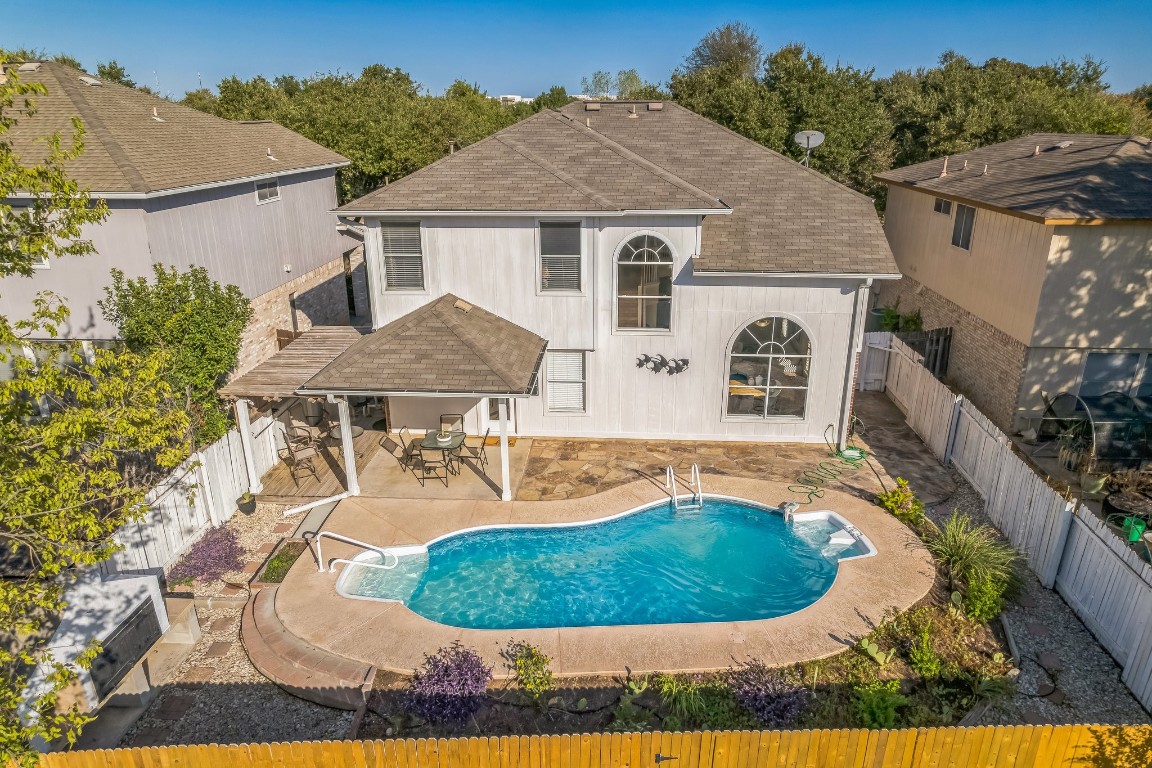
<point>347,450</point>
<point>505,474</point>
<point>244,423</point>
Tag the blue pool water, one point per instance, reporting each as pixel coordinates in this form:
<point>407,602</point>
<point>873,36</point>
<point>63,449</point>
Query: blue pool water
<point>727,561</point>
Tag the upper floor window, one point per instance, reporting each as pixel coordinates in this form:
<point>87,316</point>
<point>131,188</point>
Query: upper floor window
<point>768,369</point>
<point>267,191</point>
<point>644,284</point>
<point>962,226</point>
<point>942,206</point>
<point>560,256</point>
<point>403,259</point>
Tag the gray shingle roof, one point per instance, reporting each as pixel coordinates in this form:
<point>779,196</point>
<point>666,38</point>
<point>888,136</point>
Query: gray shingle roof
<point>445,346</point>
<point>784,217</point>
<point>283,373</point>
<point>1092,178</point>
<point>128,151</point>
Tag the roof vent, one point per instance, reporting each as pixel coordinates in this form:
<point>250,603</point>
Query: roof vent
<point>463,306</point>
<point>29,66</point>
<point>1036,152</point>
<point>156,115</point>
<point>1062,145</point>
<point>89,80</point>
<point>591,106</point>
<point>944,170</point>
<point>632,113</point>
<point>271,156</point>
<point>655,106</point>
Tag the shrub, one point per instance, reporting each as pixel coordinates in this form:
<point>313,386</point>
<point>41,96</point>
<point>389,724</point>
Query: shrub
<point>278,567</point>
<point>973,553</point>
<point>876,704</point>
<point>984,599</point>
<point>902,503</point>
<point>530,668</point>
<point>216,554</point>
<point>683,696</point>
<point>922,657</point>
<point>766,694</point>
<point>450,688</point>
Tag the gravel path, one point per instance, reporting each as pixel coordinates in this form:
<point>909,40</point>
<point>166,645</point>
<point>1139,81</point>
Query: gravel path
<point>1041,623</point>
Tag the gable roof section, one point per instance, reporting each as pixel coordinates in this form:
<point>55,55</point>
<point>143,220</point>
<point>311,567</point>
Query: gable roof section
<point>283,373</point>
<point>130,153</point>
<point>1093,178</point>
<point>445,346</point>
<point>542,163</point>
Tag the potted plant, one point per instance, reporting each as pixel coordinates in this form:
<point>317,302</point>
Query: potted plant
<point>246,503</point>
<point>1131,494</point>
<point>1091,481</point>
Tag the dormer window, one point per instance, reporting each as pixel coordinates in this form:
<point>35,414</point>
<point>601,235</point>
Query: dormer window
<point>267,191</point>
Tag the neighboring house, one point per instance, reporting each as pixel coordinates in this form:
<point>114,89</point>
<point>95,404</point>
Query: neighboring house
<point>249,201</point>
<point>625,235</point>
<point>1037,252</point>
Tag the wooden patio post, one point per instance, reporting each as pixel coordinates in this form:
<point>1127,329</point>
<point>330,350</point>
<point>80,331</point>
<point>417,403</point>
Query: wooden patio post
<point>505,474</point>
<point>347,449</point>
<point>244,423</point>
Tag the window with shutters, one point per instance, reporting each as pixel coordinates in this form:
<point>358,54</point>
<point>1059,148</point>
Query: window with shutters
<point>962,226</point>
<point>560,256</point>
<point>644,284</point>
<point>403,259</point>
<point>565,387</point>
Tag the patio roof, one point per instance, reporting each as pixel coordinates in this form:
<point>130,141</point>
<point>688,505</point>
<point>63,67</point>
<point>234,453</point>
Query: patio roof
<point>283,373</point>
<point>446,347</point>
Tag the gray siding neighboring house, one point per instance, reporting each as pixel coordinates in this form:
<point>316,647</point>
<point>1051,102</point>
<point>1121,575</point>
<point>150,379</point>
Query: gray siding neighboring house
<point>181,187</point>
<point>1053,291</point>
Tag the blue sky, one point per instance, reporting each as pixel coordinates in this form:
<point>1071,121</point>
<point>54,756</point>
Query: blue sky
<point>522,48</point>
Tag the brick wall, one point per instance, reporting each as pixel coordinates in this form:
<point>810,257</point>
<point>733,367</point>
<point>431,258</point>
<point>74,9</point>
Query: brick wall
<point>321,299</point>
<point>986,365</point>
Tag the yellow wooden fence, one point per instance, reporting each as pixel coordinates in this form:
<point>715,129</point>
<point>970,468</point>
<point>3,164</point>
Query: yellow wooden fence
<point>987,746</point>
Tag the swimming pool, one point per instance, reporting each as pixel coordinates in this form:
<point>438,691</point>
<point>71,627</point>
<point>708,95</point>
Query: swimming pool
<point>729,560</point>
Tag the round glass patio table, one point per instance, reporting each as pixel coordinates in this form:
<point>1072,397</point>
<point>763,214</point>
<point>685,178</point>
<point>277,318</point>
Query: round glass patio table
<point>430,441</point>
<point>337,434</point>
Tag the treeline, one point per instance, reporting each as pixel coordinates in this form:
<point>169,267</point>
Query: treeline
<point>388,126</point>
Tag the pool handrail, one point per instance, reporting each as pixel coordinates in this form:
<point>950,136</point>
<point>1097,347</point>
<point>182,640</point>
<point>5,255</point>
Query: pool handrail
<point>382,566</point>
<point>347,540</point>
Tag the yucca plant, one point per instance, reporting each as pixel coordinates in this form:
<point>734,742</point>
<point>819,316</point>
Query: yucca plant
<point>974,553</point>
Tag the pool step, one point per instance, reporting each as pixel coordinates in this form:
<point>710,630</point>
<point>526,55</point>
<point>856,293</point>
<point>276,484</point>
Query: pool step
<point>298,667</point>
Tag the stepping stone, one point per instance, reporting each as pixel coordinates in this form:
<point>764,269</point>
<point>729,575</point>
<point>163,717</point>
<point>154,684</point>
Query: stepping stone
<point>1033,717</point>
<point>197,675</point>
<point>218,649</point>
<point>150,736</point>
<point>282,527</point>
<point>1045,689</point>
<point>1025,600</point>
<point>265,549</point>
<point>251,567</point>
<point>174,707</point>
<point>1049,661</point>
<point>221,625</point>
<point>1036,629</point>
<point>1057,696</point>
<point>230,591</point>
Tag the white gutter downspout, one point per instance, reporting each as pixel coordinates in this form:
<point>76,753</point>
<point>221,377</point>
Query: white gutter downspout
<point>854,347</point>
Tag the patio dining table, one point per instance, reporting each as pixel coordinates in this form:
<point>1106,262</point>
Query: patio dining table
<point>451,444</point>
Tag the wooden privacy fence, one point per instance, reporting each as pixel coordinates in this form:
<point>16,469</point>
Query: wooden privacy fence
<point>984,747</point>
<point>1068,548</point>
<point>200,493</point>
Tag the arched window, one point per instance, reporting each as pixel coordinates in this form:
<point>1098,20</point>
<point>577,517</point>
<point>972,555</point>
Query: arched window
<point>768,369</point>
<point>644,284</point>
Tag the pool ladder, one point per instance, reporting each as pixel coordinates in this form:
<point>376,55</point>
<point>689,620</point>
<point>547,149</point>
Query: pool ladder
<point>693,484</point>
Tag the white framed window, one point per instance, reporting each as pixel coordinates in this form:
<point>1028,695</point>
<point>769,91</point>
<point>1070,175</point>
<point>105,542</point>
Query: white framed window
<point>768,370</point>
<point>560,256</point>
<point>565,386</point>
<point>403,257</point>
<point>940,205</point>
<point>41,262</point>
<point>267,191</point>
<point>962,226</point>
<point>644,266</point>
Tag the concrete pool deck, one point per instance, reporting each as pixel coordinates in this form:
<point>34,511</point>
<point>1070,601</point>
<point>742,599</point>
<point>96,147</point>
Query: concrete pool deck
<point>390,636</point>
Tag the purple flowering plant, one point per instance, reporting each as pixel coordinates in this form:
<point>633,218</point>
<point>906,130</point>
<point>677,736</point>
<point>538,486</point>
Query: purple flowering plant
<point>766,694</point>
<point>451,687</point>
<point>214,555</point>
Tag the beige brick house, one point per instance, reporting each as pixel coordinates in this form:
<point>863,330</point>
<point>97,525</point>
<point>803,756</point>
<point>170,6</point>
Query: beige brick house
<point>1037,252</point>
<point>249,201</point>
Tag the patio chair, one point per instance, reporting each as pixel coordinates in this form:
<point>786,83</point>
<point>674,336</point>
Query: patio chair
<point>431,462</point>
<point>301,458</point>
<point>476,452</point>
<point>408,448</point>
<point>451,422</point>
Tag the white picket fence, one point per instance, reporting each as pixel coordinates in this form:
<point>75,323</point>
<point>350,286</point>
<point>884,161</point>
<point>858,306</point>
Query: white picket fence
<point>200,493</point>
<point>1068,548</point>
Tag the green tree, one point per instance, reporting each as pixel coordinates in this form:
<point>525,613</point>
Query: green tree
<point>195,323</point>
<point>732,46</point>
<point>740,103</point>
<point>554,98</point>
<point>112,71</point>
<point>82,438</point>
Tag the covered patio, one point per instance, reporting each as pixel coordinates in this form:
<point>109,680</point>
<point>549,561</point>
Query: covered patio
<point>365,413</point>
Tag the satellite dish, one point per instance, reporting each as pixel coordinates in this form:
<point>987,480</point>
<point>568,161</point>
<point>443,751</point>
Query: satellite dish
<point>809,140</point>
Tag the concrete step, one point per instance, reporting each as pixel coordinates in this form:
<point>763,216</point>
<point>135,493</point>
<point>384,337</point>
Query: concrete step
<point>298,667</point>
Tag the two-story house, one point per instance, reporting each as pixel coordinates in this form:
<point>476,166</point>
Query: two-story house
<point>1037,252</point>
<point>249,201</point>
<point>689,282</point>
